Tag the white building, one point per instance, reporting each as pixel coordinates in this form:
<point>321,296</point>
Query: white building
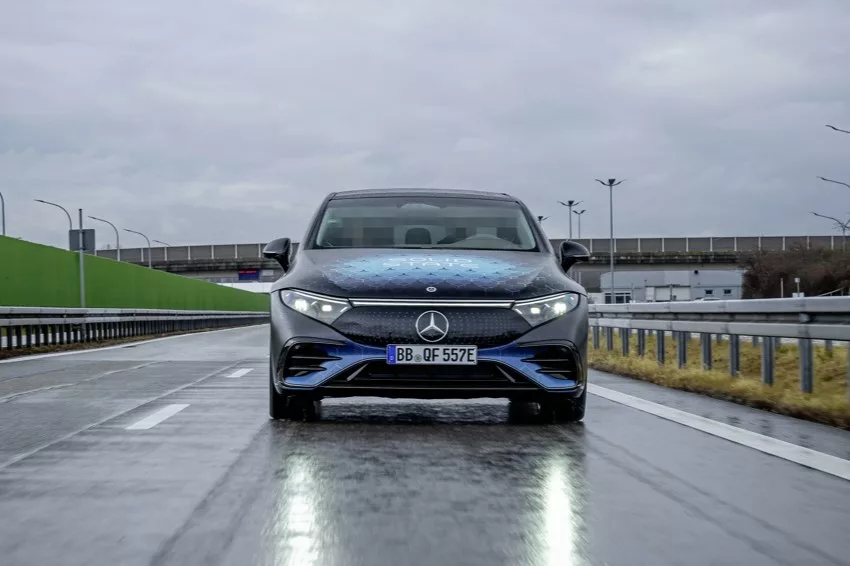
<point>665,286</point>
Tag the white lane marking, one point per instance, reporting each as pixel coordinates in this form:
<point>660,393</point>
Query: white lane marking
<point>804,456</point>
<point>119,346</point>
<point>241,372</point>
<point>24,455</point>
<point>154,419</point>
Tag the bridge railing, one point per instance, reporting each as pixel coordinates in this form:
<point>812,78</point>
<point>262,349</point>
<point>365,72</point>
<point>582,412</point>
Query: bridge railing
<point>765,321</point>
<point>28,327</point>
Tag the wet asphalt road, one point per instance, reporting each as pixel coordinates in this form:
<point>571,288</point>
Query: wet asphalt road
<point>384,482</point>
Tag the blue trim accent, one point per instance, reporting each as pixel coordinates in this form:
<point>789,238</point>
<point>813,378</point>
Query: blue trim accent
<point>510,355</point>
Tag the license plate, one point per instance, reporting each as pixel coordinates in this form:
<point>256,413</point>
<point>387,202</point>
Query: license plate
<point>432,355</point>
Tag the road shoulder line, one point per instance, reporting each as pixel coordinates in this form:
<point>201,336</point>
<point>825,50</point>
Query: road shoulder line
<point>826,463</point>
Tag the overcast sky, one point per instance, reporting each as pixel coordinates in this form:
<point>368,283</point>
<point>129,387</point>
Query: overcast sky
<point>226,121</point>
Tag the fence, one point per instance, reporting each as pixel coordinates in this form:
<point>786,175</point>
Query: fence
<point>767,321</point>
<point>25,327</point>
<point>595,245</point>
<point>42,276</point>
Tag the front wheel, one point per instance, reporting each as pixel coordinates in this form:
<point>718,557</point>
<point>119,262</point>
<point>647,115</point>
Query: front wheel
<point>562,409</point>
<point>277,402</point>
<point>297,407</point>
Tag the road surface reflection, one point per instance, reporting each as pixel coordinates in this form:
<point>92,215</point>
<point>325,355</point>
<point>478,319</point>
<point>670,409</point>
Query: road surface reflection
<point>376,482</point>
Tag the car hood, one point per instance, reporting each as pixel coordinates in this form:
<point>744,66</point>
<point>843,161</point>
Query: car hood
<point>427,274</point>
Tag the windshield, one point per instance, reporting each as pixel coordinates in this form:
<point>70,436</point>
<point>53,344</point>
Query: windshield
<point>424,222</point>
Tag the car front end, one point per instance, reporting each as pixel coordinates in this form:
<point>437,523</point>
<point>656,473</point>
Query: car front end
<point>429,322</point>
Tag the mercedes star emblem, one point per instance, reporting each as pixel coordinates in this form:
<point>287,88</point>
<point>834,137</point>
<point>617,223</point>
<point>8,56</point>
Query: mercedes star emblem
<point>432,326</point>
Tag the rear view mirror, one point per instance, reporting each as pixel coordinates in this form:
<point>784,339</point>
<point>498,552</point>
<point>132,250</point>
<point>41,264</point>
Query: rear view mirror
<point>572,253</point>
<point>278,250</point>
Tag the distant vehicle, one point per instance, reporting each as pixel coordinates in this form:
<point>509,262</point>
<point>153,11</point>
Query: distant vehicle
<point>708,298</point>
<point>427,294</point>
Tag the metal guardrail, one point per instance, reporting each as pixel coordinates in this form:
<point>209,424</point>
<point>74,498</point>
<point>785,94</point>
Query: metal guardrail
<point>767,321</point>
<point>28,327</point>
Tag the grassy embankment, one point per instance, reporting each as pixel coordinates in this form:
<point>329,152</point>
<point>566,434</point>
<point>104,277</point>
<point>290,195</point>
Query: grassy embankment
<point>828,403</point>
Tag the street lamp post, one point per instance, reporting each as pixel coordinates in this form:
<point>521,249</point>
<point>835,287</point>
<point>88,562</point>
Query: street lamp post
<point>843,226</point>
<point>150,264</point>
<point>2,215</point>
<point>611,184</point>
<point>80,244</point>
<point>68,214</point>
<point>117,236</point>
<point>570,204</point>
<point>579,213</point>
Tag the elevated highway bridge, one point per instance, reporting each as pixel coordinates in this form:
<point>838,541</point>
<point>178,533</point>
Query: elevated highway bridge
<point>222,262</point>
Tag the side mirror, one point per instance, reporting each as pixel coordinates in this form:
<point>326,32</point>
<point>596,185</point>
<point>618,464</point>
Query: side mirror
<point>572,253</point>
<point>278,250</point>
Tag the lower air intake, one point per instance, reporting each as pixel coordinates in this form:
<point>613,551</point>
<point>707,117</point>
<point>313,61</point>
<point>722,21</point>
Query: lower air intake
<point>303,359</point>
<point>556,361</point>
<point>486,376</point>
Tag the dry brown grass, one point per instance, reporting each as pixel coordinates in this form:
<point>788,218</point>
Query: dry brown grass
<point>828,403</point>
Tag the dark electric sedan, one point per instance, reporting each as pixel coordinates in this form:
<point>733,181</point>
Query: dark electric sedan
<point>415,293</point>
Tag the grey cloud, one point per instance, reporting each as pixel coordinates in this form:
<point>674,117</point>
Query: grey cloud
<point>231,123</point>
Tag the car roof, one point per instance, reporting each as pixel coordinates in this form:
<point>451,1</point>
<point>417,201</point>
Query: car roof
<point>404,192</point>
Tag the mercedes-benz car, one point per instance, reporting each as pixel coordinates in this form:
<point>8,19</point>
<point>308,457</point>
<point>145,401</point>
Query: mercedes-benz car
<point>420,293</point>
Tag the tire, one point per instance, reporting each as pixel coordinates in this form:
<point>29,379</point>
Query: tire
<point>291,407</point>
<point>277,403</point>
<point>564,410</point>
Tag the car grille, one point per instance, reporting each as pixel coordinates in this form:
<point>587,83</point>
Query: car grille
<point>485,376</point>
<point>482,327</point>
<point>303,359</point>
<point>556,361</point>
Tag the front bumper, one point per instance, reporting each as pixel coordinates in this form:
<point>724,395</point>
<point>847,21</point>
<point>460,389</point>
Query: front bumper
<point>549,359</point>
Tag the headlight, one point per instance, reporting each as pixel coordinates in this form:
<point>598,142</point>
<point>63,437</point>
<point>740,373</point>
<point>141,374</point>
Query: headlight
<point>538,311</point>
<point>323,309</point>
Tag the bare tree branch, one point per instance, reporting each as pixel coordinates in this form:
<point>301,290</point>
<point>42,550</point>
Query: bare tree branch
<point>836,182</point>
<point>836,220</point>
<point>838,129</point>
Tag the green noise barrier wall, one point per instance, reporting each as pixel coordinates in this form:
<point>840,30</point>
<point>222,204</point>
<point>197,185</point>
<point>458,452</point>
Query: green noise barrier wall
<point>32,275</point>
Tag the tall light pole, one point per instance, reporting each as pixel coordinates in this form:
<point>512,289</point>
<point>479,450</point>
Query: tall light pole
<point>843,226</point>
<point>611,184</point>
<point>2,215</point>
<point>150,264</point>
<point>579,213</point>
<point>68,214</point>
<point>80,244</point>
<point>570,204</point>
<point>117,236</point>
